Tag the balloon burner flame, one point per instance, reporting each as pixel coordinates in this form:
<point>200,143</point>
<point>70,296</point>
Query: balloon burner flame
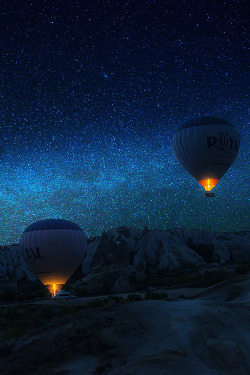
<point>54,288</point>
<point>209,183</point>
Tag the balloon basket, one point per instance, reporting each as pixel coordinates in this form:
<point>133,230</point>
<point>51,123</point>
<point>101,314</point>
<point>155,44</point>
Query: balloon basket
<point>209,194</point>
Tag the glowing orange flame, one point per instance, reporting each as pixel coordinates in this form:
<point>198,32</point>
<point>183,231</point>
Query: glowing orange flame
<point>209,184</point>
<point>54,288</point>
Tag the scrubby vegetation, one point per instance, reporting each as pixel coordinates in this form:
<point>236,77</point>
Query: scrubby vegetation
<point>17,320</point>
<point>203,279</point>
<point>8,295</point>
<point>37,337</point>
<point>28,292</point>
<point>50,334</point>
<point>96,303</point>
<point>155,295</point>
<point>196,276</point>
<point>134,297</point>
<point>242,269</point>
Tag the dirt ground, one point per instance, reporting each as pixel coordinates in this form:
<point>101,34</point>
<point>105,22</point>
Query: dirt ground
<point>192,332</point>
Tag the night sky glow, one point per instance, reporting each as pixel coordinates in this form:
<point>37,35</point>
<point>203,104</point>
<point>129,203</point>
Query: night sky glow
<point>91,95</point>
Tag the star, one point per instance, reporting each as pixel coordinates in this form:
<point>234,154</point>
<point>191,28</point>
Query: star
<point>91,98</point>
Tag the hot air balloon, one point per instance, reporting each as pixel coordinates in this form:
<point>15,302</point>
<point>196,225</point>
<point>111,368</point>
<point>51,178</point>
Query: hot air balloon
<point>53,249</point>
<point>206,147</point>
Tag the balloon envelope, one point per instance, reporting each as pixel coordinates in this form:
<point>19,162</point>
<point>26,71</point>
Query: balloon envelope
<point>206,147</point>
<point>53,249</point>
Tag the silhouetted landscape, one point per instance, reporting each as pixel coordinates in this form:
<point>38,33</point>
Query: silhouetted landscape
<point>147,301</point>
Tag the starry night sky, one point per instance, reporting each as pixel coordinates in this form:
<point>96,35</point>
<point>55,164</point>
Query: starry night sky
<point>91,94</point>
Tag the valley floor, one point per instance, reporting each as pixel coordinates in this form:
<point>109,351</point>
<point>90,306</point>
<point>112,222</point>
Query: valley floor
<point>193,332</point>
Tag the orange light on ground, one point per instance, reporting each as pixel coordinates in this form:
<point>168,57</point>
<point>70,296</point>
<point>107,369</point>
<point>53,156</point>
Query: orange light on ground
<point>209,184</point>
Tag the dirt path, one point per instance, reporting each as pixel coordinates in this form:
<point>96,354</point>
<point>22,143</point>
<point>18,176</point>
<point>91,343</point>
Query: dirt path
<point>208,335</point>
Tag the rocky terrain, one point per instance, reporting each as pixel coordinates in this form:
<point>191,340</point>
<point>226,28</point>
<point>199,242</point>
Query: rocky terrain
<point>195,320</point>
<point>12,265</point>
<point>185,332</point>
<point>124,258</point>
